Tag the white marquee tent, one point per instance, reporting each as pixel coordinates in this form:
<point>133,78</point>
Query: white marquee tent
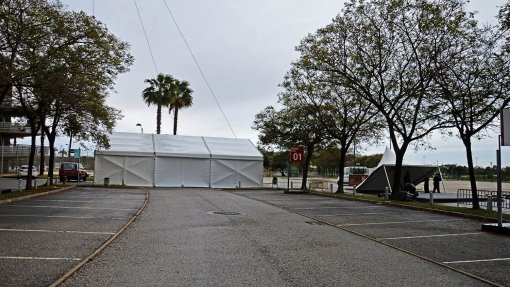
<point>179,161</point>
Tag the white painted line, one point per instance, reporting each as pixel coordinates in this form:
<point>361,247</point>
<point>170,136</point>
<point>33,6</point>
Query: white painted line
<point>395,222</point>
<point>69,207</point>
<point>37,258</point>
<point>63,216</point>
<point>353,214</point>
<point>475,261</point>
<point>57,231</point>
<point>431,236</point>
<point>65,200</point>
<point>338,207</point>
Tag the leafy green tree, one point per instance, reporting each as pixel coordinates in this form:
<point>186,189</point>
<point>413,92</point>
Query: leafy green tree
<point>384,51</point>
<point>159,93</point>
<point>63,70</point>
<point>473,84</point>
<point>181,98</point>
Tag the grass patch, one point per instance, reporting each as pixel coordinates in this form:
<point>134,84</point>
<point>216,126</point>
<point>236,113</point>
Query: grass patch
<point>436,207</point>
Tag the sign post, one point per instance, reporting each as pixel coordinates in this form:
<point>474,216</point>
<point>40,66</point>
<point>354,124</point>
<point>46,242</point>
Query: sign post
<point>297,154</point>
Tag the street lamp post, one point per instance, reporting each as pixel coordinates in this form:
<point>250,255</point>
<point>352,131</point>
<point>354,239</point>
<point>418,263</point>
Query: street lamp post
<point>141,128</point>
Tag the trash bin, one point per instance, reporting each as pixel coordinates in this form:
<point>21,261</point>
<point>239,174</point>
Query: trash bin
<point>275,180</point>
<point>106,181</point>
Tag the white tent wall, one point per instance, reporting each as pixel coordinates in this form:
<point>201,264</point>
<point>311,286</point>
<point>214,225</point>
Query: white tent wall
<point>128,170</point>
<point>234,163</point>
<point>181,172</point>
<point>181,161</point>
<point>129,160</point>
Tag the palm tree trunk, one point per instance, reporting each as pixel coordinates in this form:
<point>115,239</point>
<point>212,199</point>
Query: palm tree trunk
<point>158,120</point>
<point>175,120</point>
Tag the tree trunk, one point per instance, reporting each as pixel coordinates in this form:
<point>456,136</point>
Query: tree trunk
<point>341,166</point>
<point>309,153</point>
<point>31,157</point>
<point>397,177</point>
<point>41,164</point>
<point>175,120</point>
<point>51,161</point>
<point>471,170</point>
<point>69,148</point>
<point>158,120</point>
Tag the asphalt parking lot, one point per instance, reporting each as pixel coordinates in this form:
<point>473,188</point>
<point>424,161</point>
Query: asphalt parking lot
<point>452,242</point>
<point>44,237</point>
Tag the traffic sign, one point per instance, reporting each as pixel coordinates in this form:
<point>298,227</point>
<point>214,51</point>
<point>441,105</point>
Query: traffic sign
<point>297,154</point>
<point>76,153</point>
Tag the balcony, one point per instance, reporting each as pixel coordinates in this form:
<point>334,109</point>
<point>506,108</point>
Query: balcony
<point>8,129</point>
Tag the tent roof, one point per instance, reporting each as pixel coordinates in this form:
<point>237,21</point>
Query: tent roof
<point>181,146</point>
<point>388,157</point>
<point>377,181</point>
<point>228,148</point>
<point>137,144</point>
<point>134,144</point>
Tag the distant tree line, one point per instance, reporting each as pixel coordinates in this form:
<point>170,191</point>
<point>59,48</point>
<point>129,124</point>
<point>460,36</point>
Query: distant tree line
<point>401,69</point>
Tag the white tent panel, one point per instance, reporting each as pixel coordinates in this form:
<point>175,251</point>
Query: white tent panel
<point>182,172</point>
<point>229,173</point>
<point>239,149</point>
<point>180,146</point>
<point>128,170</point>
<point>130,144</point>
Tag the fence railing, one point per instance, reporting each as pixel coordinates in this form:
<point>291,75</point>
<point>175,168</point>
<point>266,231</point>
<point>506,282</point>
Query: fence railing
<point>465,197</point>
<point>19,151</point>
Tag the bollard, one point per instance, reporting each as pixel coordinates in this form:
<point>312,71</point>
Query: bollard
<point>19,184</point>
<point>123,182</point>
<point>386,189</point>
<point>106,181</point>
<point>48,183</point>
<point>331,187</point>
<point>291,185</point>
<point>354,190</point>
<point>35,183</point>
<point>489,203</point>
<point>239,184</point>
<point>431,194</point>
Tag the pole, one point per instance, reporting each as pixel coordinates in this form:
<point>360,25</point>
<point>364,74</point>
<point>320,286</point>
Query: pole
<point>499,189</point>
<point>288,176</point>
<point>2,165</point>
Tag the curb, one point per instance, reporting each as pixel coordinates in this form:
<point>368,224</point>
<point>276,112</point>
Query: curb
<point>15,199</point>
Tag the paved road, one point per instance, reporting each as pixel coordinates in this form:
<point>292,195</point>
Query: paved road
<point>42,238</point>
<point>179,240</point>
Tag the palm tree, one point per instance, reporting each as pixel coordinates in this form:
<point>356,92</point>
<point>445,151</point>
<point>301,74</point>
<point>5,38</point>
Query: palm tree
<point>181,98</point>
<point>159,92</point>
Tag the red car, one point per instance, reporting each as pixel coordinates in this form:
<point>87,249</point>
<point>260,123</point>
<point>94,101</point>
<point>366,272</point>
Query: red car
<point>72,170</point>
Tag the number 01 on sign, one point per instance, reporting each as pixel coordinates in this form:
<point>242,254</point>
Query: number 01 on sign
<point>297,154</point>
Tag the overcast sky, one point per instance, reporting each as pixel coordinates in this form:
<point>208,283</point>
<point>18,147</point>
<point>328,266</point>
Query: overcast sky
<point>244,49</point>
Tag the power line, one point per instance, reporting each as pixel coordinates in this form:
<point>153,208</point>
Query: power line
<point>146,38</point>
<point>199,68</point>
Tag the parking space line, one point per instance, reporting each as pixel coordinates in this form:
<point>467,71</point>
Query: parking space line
<point>38,258</point>
<point>395,222</point>
<point>62,216</point>
<point>57,231</point>
<point>353,214</point>
<point>475,261</point>
<point>337,207</point>
<point>430,236</point>
<point>65,200</point>
<point>69,207</point>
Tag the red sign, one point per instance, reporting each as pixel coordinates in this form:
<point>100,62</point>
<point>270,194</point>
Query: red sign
<point>297,154</point>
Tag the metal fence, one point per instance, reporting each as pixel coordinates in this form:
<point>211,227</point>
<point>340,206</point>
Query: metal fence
<point>485,198</point>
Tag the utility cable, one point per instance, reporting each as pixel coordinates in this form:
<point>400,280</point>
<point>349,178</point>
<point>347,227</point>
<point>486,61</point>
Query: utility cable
<point>146,38</point>
<point>199,68</point>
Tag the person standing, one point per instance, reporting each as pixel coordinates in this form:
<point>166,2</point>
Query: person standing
<point>437,179</point>
<point>426,184</point>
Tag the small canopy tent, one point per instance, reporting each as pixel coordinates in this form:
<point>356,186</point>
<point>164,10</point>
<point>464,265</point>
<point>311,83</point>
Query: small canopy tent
<point>181,161</point>
<point>234,163</point>
<point>382,176</point>
<point>129,160</point>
